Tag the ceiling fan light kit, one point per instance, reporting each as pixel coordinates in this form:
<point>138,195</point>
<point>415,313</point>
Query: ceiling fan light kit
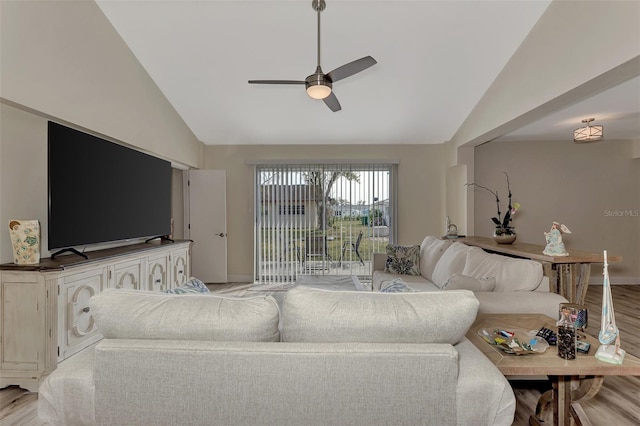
<point>320,85</point>
<point>588,133</point>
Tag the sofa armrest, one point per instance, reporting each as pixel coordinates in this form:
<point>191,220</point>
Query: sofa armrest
<point>379,261</point>
<point>480,377</point>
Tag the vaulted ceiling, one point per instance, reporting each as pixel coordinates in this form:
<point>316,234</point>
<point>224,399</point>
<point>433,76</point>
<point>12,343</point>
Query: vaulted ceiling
<point>435,60</point>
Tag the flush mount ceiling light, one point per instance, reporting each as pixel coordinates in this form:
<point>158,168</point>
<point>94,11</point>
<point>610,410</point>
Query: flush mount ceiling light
<point>589,133</point>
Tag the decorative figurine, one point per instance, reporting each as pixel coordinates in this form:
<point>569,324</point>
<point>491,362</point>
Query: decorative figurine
<point>610,350</point>
<point>555,246</point>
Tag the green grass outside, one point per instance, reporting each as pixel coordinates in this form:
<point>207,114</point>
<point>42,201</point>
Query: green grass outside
<point>339,232</point>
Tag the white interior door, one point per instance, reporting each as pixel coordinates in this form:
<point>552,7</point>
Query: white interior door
<point>208,224</point>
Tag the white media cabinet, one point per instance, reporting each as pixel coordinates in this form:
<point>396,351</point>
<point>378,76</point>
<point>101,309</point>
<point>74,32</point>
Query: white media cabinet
<point>45,309</point>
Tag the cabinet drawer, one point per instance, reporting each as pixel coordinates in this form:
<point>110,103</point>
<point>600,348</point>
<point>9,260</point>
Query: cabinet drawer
<point>127,275</point>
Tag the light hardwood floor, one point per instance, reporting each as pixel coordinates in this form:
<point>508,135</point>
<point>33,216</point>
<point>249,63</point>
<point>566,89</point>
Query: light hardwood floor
<point>617,403</point>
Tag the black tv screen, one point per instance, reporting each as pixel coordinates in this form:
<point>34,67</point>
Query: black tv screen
<point>101,192</point>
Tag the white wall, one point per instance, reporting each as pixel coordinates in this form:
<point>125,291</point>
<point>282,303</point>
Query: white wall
<point>420,188</point>
<point>593,188</point>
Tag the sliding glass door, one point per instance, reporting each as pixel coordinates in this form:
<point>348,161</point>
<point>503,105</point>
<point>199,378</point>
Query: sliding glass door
<point>321,218</point>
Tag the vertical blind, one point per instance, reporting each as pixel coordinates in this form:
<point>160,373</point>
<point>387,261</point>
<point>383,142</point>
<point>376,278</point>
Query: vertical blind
<point>309,218</point>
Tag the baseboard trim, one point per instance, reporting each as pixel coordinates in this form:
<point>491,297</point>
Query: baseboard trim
<point>239,279</point>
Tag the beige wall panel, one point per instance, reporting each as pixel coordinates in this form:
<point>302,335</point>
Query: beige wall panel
<point>63,59</point>
<point>594,189</point>
<point>23,174</point>
<point>23,178</point>
<point>420,188</point>
<point>556,57</point>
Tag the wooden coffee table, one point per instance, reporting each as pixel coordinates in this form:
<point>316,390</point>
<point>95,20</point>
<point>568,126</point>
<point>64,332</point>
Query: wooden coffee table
<point>574,381</point>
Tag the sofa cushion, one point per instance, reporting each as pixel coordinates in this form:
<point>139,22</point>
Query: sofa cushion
<point>313,315</point>
<point>131,314</point>
<point>403,259</point>
<point>431,250</point>
<point>511,274</point>
<point>464,282</point>
<point>451,262</point>
<point>396,285</point>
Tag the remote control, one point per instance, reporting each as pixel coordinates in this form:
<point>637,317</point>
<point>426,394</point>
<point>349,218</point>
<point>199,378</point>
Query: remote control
<point>549,335</point>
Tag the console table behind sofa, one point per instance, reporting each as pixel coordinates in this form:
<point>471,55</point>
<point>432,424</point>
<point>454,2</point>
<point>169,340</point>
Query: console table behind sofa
<point>568,275</point>
<point>45,307</point>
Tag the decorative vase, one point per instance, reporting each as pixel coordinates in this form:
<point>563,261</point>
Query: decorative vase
<point>504,237</point>
<point>25,239</point>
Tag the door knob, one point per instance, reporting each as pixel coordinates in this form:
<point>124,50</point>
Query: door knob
<point>222,234</point>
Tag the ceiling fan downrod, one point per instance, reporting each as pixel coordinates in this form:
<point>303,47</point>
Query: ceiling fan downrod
<point>318,6</point>
<point>318,87</point>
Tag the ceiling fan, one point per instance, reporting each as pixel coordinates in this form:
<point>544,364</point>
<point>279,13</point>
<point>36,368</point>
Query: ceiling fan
<point>319,85</point>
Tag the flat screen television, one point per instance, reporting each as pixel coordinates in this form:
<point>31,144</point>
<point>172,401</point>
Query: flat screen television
<point>101,192</point>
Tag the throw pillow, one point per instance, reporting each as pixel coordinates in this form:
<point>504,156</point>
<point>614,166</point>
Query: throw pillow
<point>198,284</point>
<point>451,262</point>
<point>395,286</point>
<point>431,250</point>
<point>194,285</point>
<point>184,289</point>
<point>511,274</point>
<point>403,260</point>
<point>464,282</point>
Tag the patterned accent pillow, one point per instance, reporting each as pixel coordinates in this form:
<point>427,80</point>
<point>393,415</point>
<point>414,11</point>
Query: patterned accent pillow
<point>185,289</point>
<point>403,260</point>
<point>197,284</point>
<point>395,286</point>
<point>194,285</point>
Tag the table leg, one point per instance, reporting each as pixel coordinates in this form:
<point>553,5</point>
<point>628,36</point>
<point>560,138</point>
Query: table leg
<point>567,394</point>
<point>572,280</point>
<point>542,405</point>
<point>562,401</point>
<point>580,273</point>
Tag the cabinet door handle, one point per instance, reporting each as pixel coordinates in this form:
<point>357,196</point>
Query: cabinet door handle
<point>180,271</point>
<point>85,310</point>
<point>222,234</point>
<point>158,281</point>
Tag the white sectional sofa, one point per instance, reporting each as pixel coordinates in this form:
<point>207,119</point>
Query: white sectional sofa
<point>501,284</point>
<point>337,358</point>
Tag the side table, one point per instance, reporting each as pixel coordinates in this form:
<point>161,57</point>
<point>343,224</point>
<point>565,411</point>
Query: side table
<point>573,381</point>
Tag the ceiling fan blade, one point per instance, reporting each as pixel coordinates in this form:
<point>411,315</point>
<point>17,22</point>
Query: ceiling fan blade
<point>276,82</point>
<point>351,68</point>
<point>332,102</point>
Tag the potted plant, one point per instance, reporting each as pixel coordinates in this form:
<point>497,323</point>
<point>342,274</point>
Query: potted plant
<point>504,232</point>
